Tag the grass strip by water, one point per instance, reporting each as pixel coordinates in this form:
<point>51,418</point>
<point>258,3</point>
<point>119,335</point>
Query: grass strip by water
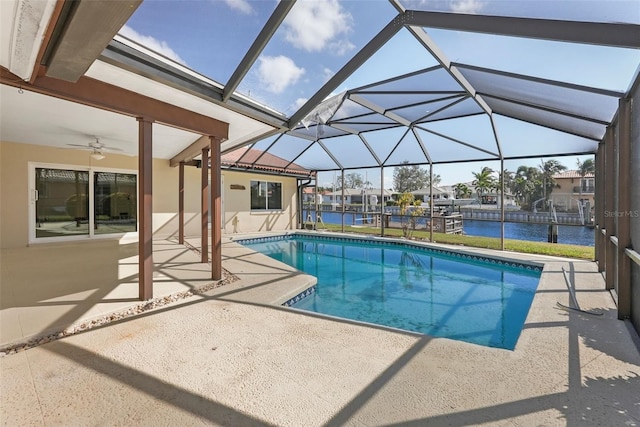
<point>524,246</point>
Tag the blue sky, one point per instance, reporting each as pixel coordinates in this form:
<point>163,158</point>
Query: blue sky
<point>320,36</point>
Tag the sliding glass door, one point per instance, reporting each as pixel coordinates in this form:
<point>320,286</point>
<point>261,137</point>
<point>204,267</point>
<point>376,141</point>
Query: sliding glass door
<point>69,203</point>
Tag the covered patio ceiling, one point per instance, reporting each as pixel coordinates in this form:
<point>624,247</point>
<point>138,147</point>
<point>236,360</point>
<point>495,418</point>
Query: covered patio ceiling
<point>414,93</point>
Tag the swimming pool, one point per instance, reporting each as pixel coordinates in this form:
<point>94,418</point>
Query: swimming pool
<point>430,291</point>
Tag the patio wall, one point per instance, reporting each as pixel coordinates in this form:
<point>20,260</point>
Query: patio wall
<point>15,194</point>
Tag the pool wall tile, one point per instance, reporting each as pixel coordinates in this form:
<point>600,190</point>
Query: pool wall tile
<point>387,242</point>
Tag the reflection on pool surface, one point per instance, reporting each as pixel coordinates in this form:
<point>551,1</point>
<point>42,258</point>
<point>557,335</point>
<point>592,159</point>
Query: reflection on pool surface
<point>428,291</point>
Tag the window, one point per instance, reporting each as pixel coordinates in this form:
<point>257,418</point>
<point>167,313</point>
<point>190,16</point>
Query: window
<point>70,202</point>
<point>266,195</point>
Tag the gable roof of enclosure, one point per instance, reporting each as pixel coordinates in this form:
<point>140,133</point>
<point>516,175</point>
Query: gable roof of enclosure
<point>524,79</point>
<point>440,111</point>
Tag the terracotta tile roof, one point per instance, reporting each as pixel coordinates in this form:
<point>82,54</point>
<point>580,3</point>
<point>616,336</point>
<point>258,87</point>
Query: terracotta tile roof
<point>571,174</point>
<point>249,158</point>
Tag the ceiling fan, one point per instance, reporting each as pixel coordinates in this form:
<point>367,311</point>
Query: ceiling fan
<point>97,148</point>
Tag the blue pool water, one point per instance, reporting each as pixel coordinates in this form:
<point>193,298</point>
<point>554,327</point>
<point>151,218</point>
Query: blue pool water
<point>409,288</point>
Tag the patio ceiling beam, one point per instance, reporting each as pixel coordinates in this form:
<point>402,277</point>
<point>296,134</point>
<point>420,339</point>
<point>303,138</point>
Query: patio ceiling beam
<point>127,58</point>
<point>94,93</point>
<point>190,153</point>
<point>349,68</point>
<point>598,33</point>
<point>80,35</point>
<point>260,42</point>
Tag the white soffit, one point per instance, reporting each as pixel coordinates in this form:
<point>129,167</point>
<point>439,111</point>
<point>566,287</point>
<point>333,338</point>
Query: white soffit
<point>22,27</point>
<point>32,118</point>
<point>241,128</point>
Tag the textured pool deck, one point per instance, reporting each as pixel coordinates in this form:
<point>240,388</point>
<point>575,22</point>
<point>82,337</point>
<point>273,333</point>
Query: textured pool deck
<point>231,357</point>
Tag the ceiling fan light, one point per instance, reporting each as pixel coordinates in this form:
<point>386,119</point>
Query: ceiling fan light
<point>97,155</point>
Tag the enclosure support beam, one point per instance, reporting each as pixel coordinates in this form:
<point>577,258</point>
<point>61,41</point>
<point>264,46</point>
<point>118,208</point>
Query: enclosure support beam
<point>381,201</point>
<point>599,208</point>
<point>624,208</point>
<point>204,204</point>
<point>609,207</point>
<point>342,185</point>
<point>501,203</point>
<point>431,201</point>
<point>181,203</point>
<point>216,209</point>
<point>145,209</point>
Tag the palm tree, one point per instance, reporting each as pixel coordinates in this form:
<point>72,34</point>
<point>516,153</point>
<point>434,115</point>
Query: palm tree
<point>548,169</point>
<point>483,182</point>
<point>527,184</point>
<point>462,191</point>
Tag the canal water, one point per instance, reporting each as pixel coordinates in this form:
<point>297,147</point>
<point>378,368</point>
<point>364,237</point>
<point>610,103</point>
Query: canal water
<point>568,234</point>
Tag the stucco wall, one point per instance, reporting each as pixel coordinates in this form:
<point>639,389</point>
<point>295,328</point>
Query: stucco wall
<point>238,217</point>
<point>14,187</point>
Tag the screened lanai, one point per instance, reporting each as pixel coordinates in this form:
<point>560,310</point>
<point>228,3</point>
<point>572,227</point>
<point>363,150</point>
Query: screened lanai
<point>424,83</point>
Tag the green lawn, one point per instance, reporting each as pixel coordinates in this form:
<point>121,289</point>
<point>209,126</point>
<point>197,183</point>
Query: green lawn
<point>541,248</point>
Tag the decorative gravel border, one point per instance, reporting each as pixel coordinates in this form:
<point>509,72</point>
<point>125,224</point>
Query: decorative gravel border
<point>128,312</point>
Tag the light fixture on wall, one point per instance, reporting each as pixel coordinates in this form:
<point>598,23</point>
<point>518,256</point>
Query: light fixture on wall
<point>97,155</point>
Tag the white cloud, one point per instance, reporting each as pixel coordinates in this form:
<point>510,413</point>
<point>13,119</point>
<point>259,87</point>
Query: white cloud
<point>327,74</point>
<point>278,72</point>
<point>467,6</point>
<point>299,103</point>
<point>240,5</point>
<point>152,43</point>
<point>313,24</point>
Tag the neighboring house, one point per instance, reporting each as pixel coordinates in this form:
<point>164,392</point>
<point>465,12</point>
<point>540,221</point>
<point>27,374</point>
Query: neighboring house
<point>355,196</point>
<point>438,194</point>
<point>571,188</point>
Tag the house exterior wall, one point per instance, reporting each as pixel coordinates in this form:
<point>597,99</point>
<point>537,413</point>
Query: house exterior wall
<point>565,199</point>
<point>238,216</point>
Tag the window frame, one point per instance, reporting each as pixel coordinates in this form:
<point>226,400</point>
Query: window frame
<point>91,170</point>
<point>267,208</point>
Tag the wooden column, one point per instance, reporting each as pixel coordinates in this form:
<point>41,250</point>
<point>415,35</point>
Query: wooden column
<point>181,203</point>
<point>609,208</point>
<point>599,208</point>
<point>204,204</point>
<point>216,209</point>
<point>624,208</point>
<point>145,210</point>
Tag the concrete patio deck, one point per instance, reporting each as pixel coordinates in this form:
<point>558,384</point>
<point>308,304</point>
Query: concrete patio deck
<point>231,357</point>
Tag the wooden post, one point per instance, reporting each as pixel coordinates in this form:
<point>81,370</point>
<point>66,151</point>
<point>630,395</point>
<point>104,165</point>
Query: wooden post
<point>623,231</point>
<point>600,248</point>
<point>204,204</point>
<point>145,210</point>
<point>181,203</point>
<point>216,210</point>
<point>610,209</point>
